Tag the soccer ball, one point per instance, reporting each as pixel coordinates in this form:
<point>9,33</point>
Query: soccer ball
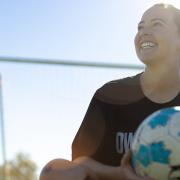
<point>156,145</point>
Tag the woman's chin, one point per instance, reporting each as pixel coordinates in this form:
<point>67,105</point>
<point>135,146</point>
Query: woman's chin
<point>147,61</point>
<point>150,60</point>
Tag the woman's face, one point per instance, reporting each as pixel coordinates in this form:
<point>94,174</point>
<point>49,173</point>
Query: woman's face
<point>157,39</point>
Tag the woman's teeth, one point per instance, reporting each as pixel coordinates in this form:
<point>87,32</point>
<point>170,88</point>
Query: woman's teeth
<point>146,45</point>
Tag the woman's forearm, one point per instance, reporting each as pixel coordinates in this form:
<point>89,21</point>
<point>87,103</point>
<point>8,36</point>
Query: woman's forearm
<point>101,170</point>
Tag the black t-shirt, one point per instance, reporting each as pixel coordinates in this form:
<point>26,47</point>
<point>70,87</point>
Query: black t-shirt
<point>115,112</point>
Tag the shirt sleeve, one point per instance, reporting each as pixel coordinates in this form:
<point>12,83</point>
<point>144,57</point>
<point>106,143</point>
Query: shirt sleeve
<point>91,132</point>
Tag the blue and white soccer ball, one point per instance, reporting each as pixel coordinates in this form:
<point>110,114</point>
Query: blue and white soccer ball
<point>156,145</point>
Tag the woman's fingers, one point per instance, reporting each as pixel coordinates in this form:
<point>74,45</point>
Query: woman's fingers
<point>126,160</point>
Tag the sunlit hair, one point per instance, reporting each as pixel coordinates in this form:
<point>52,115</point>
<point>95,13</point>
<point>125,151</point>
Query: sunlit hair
<point>175,12</point>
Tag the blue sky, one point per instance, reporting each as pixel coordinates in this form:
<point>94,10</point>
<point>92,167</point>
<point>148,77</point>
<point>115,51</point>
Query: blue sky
<point>87,30</point>
<point>44,105</point>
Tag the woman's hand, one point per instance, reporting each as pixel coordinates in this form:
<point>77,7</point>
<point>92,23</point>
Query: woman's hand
<point>127,170</point>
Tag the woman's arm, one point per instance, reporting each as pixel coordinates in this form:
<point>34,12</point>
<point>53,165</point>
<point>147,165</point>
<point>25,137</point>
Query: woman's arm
<point>84,168</point>
<point>105,172</point>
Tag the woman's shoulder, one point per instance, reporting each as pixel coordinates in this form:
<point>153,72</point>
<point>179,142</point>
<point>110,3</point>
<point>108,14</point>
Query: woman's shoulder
<point>120,91</point>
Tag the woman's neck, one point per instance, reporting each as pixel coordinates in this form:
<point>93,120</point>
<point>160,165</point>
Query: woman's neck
<point>161,84</point>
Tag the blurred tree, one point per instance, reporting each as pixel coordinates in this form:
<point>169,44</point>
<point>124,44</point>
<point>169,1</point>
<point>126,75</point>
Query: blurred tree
<point>20,168</point>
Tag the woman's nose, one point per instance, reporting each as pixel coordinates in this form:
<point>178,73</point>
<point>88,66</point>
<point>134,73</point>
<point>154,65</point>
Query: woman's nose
<point>146,31</point>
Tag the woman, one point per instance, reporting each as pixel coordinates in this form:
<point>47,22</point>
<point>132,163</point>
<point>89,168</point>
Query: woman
<point>117,108</point>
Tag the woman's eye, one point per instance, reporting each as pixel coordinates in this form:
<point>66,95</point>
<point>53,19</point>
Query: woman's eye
<point>140,27</point>
<point>157,24</point>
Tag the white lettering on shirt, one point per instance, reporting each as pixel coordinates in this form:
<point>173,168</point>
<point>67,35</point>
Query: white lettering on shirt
<point>123,141</point>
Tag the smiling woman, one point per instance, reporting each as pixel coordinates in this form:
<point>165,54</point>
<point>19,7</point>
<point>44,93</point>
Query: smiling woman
<point>157,31</point>
<point>119,106</point>
<point>55,98</point>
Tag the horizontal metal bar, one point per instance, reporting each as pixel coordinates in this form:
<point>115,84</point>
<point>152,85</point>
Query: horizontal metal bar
<point>68,63</point>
